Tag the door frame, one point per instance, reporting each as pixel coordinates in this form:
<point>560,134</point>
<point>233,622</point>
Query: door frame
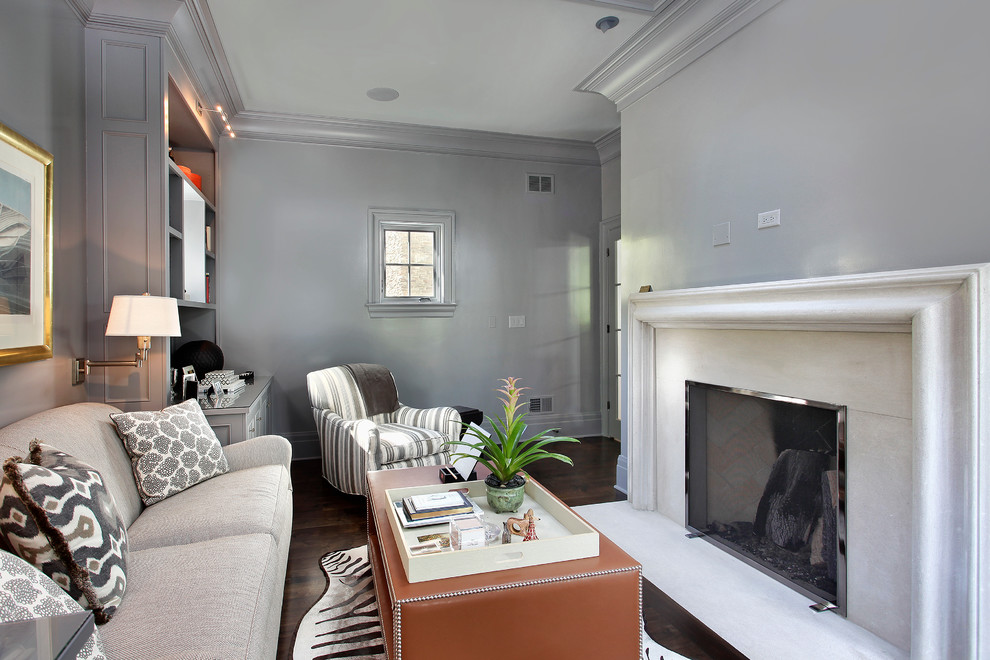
<point>608,278</point>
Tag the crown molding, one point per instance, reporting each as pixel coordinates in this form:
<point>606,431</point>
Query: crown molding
<point>195,31</point>
<point>411,137</point>
<point>674,38</point>
<point>609,146</point>
<point>152,17</point>
<point>188,28</point>
<point>650,6</point>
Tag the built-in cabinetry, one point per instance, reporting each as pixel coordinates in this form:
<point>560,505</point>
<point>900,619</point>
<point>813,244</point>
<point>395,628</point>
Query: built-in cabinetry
<point>247,416</point>
<point>192,222</point>
<point>146,223</point>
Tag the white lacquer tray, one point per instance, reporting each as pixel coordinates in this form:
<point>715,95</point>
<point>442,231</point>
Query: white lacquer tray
<point>562,535</point>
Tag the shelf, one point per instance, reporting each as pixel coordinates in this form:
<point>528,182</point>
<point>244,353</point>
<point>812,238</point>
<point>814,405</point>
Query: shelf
<point>196,305</point>
<point>211,255</point>
<point>172,231</point>
<point>174,168</point>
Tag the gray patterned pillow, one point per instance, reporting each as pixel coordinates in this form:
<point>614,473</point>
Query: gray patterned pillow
<point>56,514</point>
<point>27,593</point>
<point>170,450</point>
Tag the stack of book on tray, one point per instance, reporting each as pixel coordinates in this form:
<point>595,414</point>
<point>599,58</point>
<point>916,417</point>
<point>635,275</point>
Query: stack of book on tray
<point>421,508</point>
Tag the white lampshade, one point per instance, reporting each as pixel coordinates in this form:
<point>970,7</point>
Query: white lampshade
<point>143,316</point>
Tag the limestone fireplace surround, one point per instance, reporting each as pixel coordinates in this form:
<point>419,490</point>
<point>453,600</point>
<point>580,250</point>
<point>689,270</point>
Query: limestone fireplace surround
<point>906,351</point>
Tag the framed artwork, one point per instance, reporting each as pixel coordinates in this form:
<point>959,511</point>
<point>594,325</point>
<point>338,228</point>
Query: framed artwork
<point>25,249</point>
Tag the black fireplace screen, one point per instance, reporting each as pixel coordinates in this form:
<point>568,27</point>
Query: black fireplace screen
<point>766,482</point>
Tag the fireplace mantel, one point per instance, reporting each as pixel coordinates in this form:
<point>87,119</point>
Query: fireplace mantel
<point>943,310</point>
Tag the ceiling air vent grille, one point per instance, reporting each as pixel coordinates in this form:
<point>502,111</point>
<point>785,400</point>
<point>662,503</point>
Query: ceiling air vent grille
<point>541,404</point>
<point>540,183</point>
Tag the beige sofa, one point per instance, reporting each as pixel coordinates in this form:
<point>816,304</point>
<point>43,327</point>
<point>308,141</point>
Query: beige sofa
<point>206,567</point>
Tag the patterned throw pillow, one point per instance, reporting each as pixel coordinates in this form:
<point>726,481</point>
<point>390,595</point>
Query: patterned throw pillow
<point>27,593</point>
<point>56,514</point>
<point>170,450</point>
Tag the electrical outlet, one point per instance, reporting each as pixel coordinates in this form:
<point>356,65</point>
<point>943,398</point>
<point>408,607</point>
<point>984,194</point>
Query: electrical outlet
<point>492,321</point>
<point>768,219</point>
<point>720,234</point>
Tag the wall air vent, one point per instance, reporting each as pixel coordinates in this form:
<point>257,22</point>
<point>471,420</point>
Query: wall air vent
<point>541,404</point>
<point>540,183</point>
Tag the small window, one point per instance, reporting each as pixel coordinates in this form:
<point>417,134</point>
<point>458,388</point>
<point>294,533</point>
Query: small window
<point>411,263</point>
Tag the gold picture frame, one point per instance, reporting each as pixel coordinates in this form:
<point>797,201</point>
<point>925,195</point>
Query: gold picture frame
<point>25,249</point>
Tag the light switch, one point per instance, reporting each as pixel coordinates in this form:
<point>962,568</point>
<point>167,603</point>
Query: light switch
<point>517,321</point>
<point>492,321</point>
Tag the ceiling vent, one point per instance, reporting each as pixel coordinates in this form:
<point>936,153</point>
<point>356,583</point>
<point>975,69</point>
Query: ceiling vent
<point>541,404</point>
<point>540,183</point>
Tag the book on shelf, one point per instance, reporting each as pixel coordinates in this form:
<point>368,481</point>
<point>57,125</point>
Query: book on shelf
<point>421,507</point>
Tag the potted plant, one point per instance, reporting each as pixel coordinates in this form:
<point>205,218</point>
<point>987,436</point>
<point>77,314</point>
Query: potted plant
<point>508,453</point>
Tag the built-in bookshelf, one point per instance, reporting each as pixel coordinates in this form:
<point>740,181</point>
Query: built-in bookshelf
<point>192,222</point>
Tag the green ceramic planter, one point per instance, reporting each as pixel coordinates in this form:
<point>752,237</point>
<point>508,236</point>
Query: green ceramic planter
<point>505,498</point>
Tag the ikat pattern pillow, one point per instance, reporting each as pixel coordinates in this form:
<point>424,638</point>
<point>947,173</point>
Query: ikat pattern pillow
<point>170,450</point>
<point>56,514</point>
<point>27,593</point>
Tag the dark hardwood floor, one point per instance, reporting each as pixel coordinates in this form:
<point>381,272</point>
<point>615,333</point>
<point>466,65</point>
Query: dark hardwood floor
<point>325,519</point>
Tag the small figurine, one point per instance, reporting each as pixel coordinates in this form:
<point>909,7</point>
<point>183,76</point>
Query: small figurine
<point>524,527</point>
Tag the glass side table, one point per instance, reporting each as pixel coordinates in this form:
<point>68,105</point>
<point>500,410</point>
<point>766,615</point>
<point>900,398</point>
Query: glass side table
<point>46,638</point>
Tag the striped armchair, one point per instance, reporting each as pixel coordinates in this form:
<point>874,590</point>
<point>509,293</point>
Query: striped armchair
<point>359,433</point>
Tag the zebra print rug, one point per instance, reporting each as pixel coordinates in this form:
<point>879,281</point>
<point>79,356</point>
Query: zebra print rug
<point>344,623</point>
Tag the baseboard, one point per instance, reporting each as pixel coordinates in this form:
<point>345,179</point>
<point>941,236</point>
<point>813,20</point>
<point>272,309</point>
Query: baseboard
<point>305,445</point>
<point>622,475</point>
<point>575,425</point>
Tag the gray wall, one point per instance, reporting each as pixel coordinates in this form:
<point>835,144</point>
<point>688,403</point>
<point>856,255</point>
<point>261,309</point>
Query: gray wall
<point>293,276</point>
<point>42,98</point>
<point>864,122</point>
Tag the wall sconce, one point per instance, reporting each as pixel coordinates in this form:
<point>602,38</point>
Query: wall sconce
<point>223,116</point>
<point>143,317</point>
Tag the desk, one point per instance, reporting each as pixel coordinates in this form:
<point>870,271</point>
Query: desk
<point>245,416</point>
<point>583,608</point>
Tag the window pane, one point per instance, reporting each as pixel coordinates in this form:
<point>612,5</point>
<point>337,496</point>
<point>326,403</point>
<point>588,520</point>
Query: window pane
<point>396,247</point>
<point>421,247</point>
<point>421,281</point>
<point>396,281</point>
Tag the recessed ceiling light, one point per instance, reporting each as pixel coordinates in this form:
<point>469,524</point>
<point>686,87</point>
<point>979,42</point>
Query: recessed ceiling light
<point>607,23</point>
<point>383,94</point>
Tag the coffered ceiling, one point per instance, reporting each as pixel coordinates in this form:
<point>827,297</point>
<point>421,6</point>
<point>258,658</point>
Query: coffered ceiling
<point>506,66</point>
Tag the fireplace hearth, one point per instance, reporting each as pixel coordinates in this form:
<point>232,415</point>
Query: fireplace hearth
<point>763,482</point>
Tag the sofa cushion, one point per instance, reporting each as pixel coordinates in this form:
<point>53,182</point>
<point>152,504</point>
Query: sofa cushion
<point>83,430</point>
<point>56,514</point>
<point>401,443</point>
<point>27,593</point>
<point>212,599</point>
<point>170,450</point>
<point>251,501</point>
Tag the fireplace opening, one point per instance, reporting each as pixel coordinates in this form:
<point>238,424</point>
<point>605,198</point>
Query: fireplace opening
<point>765,481</point>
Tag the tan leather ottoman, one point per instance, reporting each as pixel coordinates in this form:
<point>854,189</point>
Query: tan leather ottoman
<point>584,608</point>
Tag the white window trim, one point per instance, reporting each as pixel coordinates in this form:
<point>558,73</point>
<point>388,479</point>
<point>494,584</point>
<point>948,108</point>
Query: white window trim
<point>410,219</point>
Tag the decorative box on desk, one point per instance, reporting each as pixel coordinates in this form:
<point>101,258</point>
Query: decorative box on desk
<point>247,414</point>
